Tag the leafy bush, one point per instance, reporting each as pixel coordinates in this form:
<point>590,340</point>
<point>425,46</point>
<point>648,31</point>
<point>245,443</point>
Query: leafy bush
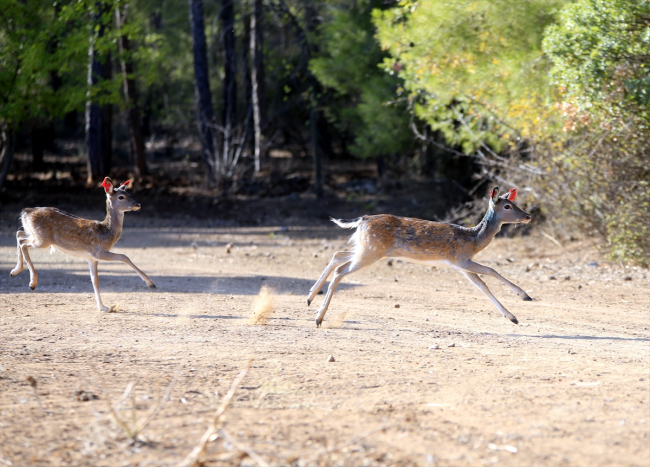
<point>600,50</point>
<point>629,226</point>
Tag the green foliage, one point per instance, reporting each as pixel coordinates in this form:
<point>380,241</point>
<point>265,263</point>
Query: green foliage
<point>42,42</point>
<point>475,68</point>
<point>600,51</point>
<point>25,38</point>
<point>361,98</point>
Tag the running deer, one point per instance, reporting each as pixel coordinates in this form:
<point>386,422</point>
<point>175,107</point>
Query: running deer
<point>426,242</point>
<point>70,234</point>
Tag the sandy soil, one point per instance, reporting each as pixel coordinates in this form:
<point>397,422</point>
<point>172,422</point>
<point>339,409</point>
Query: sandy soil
<point>567,387</point>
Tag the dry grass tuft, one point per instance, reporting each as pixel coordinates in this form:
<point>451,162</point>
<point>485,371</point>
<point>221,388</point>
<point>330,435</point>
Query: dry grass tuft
<point>262,307</point>
<point>213,432</point>
<point>132,425</point>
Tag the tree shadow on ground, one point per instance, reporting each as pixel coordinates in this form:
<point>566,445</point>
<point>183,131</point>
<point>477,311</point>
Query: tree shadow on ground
<point>78,280</point>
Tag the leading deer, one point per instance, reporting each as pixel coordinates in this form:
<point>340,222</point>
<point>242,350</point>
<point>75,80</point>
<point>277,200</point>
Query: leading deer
<point>70,234</point>
<point>426,242</point>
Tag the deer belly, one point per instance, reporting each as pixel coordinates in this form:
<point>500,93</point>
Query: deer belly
<point>425,261</point>
<point>78,253</point>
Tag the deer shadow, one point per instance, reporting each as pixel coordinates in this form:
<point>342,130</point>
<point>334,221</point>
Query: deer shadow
<point>577,337</point>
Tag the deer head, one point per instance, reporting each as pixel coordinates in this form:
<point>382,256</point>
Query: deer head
<point>505,210</point>
<point>118,198</point>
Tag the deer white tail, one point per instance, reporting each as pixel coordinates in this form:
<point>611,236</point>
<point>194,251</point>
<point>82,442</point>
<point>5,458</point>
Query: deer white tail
<point>350,224</point>
<point>347,223</point>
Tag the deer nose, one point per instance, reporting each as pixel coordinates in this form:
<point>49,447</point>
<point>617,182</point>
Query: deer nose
<point>137,206</point>
<point>528,217</point>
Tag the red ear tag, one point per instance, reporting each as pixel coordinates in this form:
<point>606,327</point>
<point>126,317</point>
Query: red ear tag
<point>492,193</point>
<point>512,194</point>
<point>125,183</point>
<point>106,185</point>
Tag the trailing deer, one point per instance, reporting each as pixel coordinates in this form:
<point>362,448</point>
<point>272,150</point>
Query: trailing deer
<point>51,227</point>
<point>426,242</point>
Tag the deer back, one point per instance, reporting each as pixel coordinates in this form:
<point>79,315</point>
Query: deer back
<point>71,234</point>
<point>416,239</point>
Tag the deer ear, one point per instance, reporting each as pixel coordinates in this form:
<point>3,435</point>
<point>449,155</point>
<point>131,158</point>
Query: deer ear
<point>512,194</point>
<point>108,185</point>
<point>494,194</point>
<point>126,185</point>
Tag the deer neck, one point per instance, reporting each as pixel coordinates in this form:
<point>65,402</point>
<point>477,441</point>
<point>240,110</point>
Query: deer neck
<point>487,229</point>
<point>114,221</point>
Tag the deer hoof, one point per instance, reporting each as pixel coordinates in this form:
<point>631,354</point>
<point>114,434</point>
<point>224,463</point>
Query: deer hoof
<point>527,299</point>
<point>308,302</point>
<point>318,322</point>
<point>32,287</point>
<point>514,320</point>
<point>153,286</point>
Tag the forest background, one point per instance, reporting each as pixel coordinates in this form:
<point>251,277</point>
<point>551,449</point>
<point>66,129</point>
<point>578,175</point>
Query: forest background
<point>549,96</point>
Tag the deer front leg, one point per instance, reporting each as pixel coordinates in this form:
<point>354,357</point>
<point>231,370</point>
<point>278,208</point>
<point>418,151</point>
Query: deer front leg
<point>33,275</point>
<point>477,268</point>
<point>108,256</point>
<point>94,277</point>
<point>474,279</point>
<point>339,258</point>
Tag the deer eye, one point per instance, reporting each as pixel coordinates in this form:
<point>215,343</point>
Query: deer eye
<point>507,206</point>
<point>120,197</point>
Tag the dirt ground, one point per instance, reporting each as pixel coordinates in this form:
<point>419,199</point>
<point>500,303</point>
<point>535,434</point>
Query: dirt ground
<point>441,380</point>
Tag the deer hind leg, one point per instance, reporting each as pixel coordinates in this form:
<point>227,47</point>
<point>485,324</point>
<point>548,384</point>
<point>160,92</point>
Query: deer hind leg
<point>477,268</point>
<point>26,242</point>
<point>341,271</point>
<point>474,279</point>
<point>20,238</point>
<point>94,277</point>
<point>339,258</point>
<point>108,256</point>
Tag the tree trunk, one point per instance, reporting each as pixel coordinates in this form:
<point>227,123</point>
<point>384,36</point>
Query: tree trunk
<point>43,130</point>
<point>98,118</point>
<point>107,122</point>
<point>248,83</point>
<point>42,136</point>
<point>230,77</point>
<point>257,78</point>
<point>131,97</point>
<point>38,146</point>
<point>156,23</point>
<point>318,166</point>
<point>93,123</point>
<point>310,20</point>
<point>6,153</point>
<point>203,93</point>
